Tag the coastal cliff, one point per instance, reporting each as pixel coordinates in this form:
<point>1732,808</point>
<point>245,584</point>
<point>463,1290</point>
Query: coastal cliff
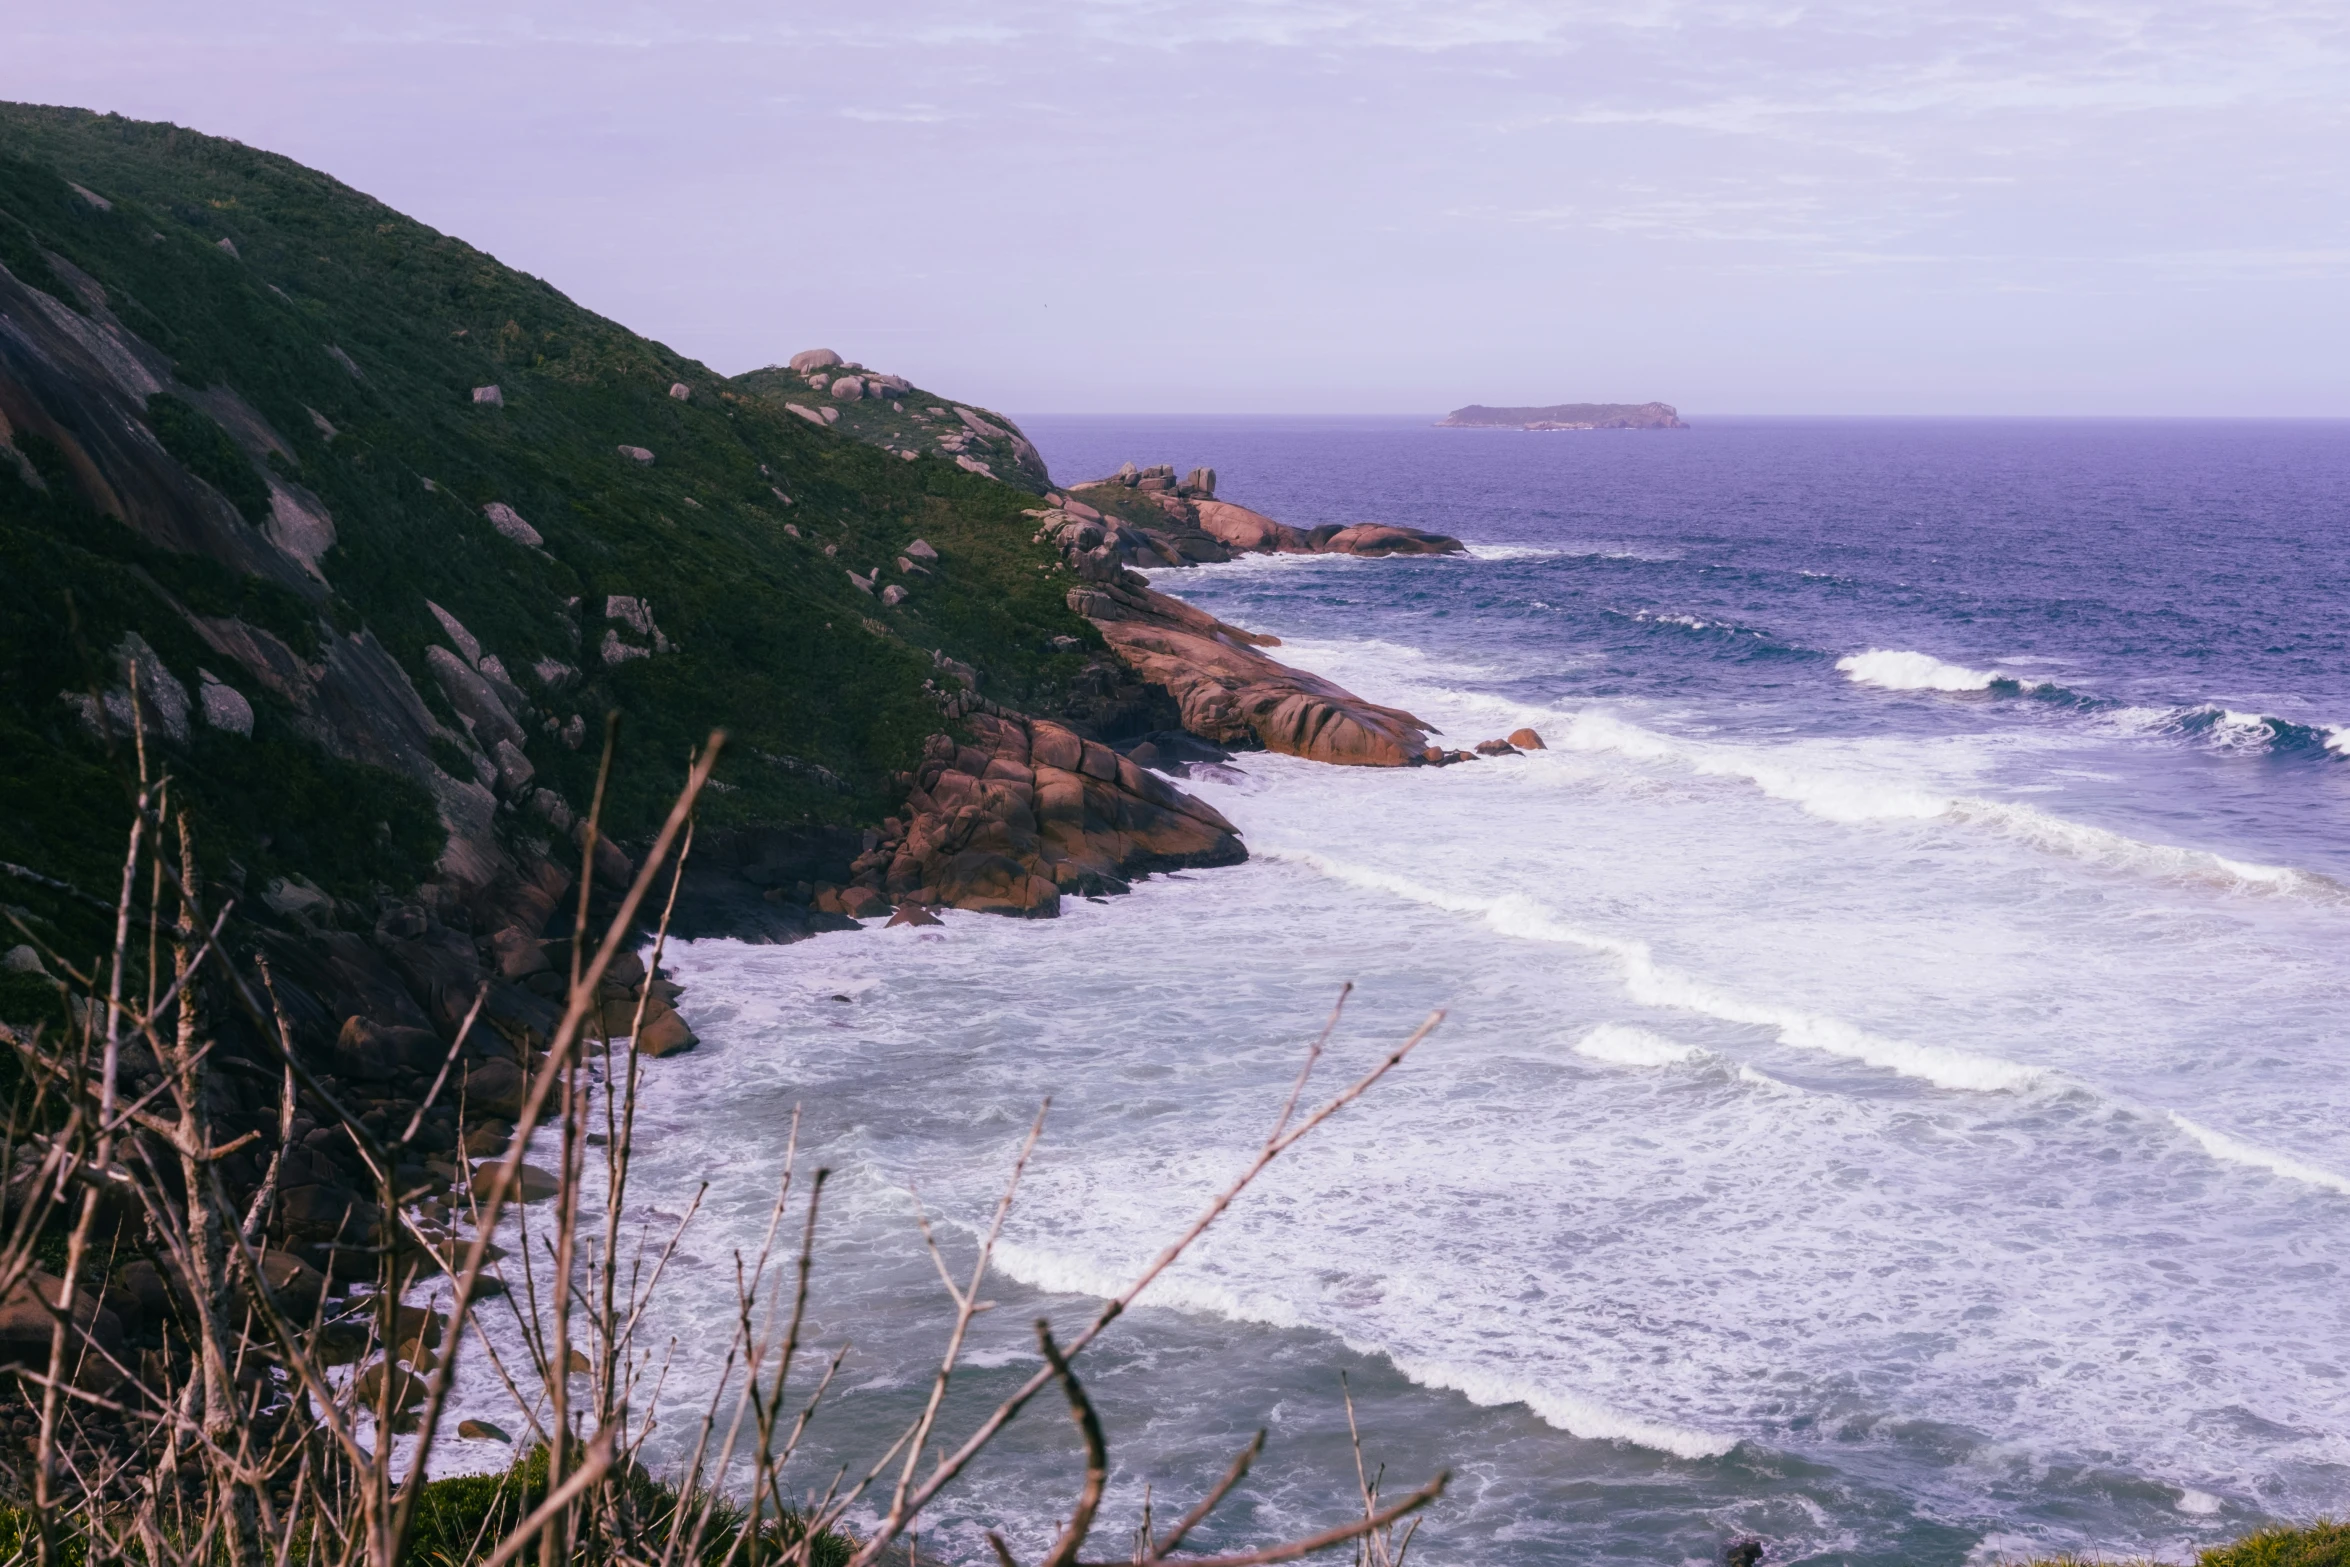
<point>365,536</point>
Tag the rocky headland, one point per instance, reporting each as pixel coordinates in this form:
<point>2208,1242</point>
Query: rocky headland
<point>1566,416</point>
<point>366,542</point>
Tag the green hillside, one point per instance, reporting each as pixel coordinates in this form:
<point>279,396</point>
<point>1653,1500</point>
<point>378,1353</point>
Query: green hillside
<point>301,338</point>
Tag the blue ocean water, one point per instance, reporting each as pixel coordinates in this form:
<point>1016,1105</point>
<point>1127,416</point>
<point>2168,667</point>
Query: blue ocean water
<point>1893,1100</point>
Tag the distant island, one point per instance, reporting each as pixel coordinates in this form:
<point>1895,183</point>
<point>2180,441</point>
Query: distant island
<point>1566,416</point>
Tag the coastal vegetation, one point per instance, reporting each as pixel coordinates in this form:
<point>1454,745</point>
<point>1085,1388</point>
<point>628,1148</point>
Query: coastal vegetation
<point>196,1378</point>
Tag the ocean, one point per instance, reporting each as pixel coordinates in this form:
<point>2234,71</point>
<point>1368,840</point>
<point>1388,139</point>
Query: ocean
<point>1893,1096</point>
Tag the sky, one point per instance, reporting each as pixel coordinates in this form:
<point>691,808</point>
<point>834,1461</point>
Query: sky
<point>1347,206</point>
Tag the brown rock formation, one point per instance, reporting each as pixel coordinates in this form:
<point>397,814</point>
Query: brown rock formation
<point>1236,696</point>
<point>1031,811</point>
<point>1193,528</point>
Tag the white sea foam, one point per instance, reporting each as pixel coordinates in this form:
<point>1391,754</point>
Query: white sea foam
<point>1897,670</point>
<point>2338,738</point>
<point>1653,984</point>
<point>2198,1504</point>
<point>1569,1412</point>
<point>1853,797</point>
<point>1621,1044</point>
<point>1513,552</point>
<point>1182,1289</point>
<point>2234,731</point>
<point>2234,1150</point>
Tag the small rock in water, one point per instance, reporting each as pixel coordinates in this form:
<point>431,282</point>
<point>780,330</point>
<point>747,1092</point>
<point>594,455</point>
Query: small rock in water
<point>482,1431</point>
<point>912,914</point>
<point>1496,748</point>
<point>1526,740</point>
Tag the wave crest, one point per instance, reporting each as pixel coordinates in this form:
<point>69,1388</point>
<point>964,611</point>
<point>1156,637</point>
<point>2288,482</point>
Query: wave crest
<point>1620,1044</point>
<point>2234,1150</point>
<point>1853,798</point>
<point>1180,1290</point>
<point>1653,984</point>
<point>1895,669</point>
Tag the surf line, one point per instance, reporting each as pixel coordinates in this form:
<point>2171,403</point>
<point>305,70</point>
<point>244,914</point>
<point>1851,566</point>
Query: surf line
<point>1180,1290</point>
<point>1654,984</point>
<point>1855,800</point>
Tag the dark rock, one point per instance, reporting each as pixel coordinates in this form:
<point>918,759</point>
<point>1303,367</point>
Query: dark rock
<point>495,1088</point>
<point>375,1052</point>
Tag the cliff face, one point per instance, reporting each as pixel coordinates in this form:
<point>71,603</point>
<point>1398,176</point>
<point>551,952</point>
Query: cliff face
<point>1567,416</point>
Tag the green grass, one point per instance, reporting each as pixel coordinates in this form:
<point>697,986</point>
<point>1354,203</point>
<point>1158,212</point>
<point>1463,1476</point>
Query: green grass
<point>457,1516</point>
<point>2321,1544</point>
<point>775,644</point>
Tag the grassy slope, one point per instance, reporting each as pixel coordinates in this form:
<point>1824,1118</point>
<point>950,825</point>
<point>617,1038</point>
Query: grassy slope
<point>777,645</point>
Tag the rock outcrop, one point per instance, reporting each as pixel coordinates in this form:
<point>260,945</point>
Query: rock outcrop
<point>1227,691</point>
<point>1031,811</point>
<point>1191,527</point>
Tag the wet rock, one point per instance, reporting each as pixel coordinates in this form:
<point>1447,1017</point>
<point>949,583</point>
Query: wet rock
<point>1373,538</point>
<point>1526,740</point>
<point>1496,748</point>
<point>665,1034</point>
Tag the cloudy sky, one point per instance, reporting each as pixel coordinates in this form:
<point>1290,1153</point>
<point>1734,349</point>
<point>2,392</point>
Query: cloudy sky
<point>1739,206</point>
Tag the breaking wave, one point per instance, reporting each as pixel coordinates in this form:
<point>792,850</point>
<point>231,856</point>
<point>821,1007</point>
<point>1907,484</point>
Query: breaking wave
<point>1651,983</point>
<point>1041,1269</point>
<point>2234,1150</point>
<point>1895,670</point>
<point>1855,798</point>
<point>1620,1044</point>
